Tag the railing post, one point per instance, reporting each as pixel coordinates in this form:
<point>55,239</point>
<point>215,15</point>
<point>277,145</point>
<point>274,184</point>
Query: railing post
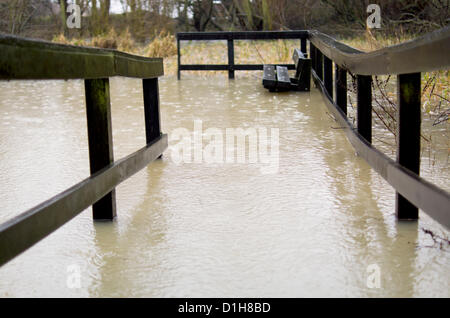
<point>230,58</point>
<point>178,59</point>
<point>328,75</point>
<point>364,111</point>
<point>340,84</point>
<point>98,111</point>
<point>319,64</point>
<point>303,45</point>
<point>151,109</point>
<point>312,53</point>
<point>408,136</point>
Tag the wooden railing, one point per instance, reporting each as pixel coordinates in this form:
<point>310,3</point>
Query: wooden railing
<point>407,61</point>
<point>26,59</point>
<point>230,37</point>
<point>30,59</point>
<point>427,53</point>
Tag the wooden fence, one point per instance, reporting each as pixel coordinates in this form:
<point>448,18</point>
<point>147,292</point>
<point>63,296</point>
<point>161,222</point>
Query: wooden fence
<point>407,61</point>
<point>24,59</point>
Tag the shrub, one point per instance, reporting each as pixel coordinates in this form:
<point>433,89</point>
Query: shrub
<point>163,45</point>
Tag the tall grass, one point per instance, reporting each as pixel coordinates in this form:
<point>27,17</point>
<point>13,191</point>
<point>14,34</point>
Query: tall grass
<point>110,40</point>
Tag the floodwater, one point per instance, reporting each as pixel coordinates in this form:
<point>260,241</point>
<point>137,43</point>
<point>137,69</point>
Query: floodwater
<point>321,224</point>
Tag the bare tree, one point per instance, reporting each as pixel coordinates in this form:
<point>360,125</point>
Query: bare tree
<point>16,15</point>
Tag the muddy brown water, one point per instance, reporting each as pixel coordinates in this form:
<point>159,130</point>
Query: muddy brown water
<point>323,224</point>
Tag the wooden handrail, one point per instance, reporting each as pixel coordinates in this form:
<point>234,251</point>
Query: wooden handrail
<point>433,200</point>
<point>424,54</point>
<point>30,59</point>
<point>26,229</point>
<point>27,59</point>
<point>407,61</point>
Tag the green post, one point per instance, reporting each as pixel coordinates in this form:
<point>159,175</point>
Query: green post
<point>98,111</point>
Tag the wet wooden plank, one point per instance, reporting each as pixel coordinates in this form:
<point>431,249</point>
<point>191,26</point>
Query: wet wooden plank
<point>22,58</point>
<point>224,67</point>
<point>242,35</point>
<point>129,65</point>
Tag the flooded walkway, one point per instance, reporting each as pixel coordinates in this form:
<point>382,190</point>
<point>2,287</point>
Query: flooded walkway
<point>321,225</point>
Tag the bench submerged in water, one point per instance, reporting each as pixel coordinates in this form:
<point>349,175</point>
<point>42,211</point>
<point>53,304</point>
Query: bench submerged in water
<point>276,78</point>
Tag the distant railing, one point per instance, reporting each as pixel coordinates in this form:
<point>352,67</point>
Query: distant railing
<point>407,60</point>
<point>230,37</point>
<point>24,59</point>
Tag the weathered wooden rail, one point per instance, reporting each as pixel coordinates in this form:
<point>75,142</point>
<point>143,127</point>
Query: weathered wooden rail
<point>25,59</point>
<point>407,61</point>
<point>230,37</point>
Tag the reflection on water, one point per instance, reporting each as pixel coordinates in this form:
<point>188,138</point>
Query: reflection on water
<point>312,229</point>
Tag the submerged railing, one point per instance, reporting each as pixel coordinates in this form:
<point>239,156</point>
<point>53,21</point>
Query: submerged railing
<point>25,59</point>
<point>33,60</point>
<point>407,61</point>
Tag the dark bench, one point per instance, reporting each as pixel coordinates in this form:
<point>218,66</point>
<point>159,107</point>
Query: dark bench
<point>276,78</point>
